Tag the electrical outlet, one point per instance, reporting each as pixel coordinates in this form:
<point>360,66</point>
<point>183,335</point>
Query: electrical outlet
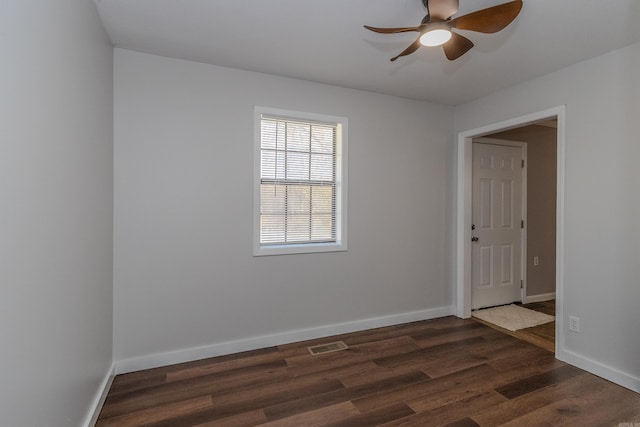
<point>536,260</point>
<point>574,324</point>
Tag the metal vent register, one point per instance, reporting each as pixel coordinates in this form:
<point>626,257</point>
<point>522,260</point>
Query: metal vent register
<point>327,348</point>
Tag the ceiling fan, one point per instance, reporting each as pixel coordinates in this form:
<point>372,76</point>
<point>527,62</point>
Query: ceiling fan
<point>436,27</point>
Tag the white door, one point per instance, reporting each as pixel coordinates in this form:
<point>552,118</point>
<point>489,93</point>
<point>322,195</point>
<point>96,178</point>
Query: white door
<point>497,233</point>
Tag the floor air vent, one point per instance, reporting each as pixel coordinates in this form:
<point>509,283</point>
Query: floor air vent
<point>327,348</point>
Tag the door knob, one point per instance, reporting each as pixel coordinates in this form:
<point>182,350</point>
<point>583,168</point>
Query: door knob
<point>474,239</point>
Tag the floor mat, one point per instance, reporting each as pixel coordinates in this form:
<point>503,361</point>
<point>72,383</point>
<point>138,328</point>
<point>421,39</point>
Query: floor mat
<point>513,317</point>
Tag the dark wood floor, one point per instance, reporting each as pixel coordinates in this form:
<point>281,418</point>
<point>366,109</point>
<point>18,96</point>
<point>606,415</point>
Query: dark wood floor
<point>447,371</point>
<point>543,335</point>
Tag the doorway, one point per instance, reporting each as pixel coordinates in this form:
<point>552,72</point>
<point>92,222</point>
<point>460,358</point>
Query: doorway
<point>464,210</point>
<point>539,263</point>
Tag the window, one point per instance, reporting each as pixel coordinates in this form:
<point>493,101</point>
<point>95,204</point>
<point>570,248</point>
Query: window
<point>300,182</point>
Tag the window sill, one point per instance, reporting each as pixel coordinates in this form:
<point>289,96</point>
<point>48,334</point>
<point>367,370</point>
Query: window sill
<point>305,248</point>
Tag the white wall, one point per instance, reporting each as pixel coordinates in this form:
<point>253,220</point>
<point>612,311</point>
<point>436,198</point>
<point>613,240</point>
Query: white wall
<point>56,175</point>
<point>602,204</point>
<point>184,272</point>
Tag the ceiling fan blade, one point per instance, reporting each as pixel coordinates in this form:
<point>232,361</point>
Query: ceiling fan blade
<point>393,30</point>
<point>457,46</point>
<point>489,20</point>
<point>441,9</point>
<point>408,51</point>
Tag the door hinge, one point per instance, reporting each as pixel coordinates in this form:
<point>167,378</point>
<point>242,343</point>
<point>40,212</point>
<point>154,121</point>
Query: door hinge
<point>522,163</point>
<point>522,223</point>
<point>521,284</point>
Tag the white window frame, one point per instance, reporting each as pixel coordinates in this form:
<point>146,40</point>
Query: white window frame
<point>341,124</point>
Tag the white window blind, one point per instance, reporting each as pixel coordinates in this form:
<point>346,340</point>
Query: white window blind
<point>300,182</point>
<point>297,182</point>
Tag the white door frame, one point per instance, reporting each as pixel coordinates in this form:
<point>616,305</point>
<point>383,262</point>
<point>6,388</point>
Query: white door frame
<point>463,208</point>
<point>523,232</point>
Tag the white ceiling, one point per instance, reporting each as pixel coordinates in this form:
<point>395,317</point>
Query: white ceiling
<point>324,41</point>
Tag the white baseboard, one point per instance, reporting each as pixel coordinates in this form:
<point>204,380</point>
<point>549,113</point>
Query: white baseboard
<point>621,378</point>
<point>539,298</point>
<point>229,347</point>
<point>98,400</point>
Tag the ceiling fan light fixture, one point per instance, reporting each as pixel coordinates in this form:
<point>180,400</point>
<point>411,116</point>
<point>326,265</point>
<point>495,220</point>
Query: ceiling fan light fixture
<point>435,28</point>
<point>436,37</point>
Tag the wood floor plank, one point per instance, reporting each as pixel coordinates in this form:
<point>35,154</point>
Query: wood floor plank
<point>226,364</point>
<point>450,333</point>
<point>447,371</point>
<point>535,382</point>
<point>250,399</point>
<point>463,422</point>
<point>368,372</point>
<point>219,383</point>
<point>447,358</point>
<point>427,389</point>
<point>545,332</point>
<point>346,394</point>
<point>430,355</point>
<point>546,307</point>
<point>528,354</point>
<point>530,367</point>
<point>317,417</point>
<point>375,417</point>
<point>454,363</point>
<point>431,339</point>
<point>497,347</point>
<point>157,414</point>
<point>586,407</point>
<point>245,419</point>
<point>136,376</point>
<point>522,405</point>
<point>451,412</point>
<point>477,384</point>
<point>134,385</point>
